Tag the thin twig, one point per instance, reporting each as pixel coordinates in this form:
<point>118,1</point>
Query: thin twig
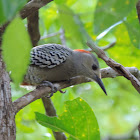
<point>105,47</point>
<point>109,46</point>
<point>61,34</point>
<point>114,65</point>
<point>50,35</point>
<point>62,37</point>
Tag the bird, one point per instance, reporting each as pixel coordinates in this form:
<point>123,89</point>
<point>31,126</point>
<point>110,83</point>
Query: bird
<point>51,63</point>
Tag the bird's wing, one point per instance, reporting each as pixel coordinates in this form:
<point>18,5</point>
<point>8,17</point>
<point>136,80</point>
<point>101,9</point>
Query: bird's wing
<point>49,55</point>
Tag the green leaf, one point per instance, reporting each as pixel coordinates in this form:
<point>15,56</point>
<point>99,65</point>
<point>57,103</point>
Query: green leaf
<point>60,1</point>
<point>108,12</point>
<point>16,48</point>
<point>78,120</point>
<point>69,2</point>
<point>133,27</point>
<point>8,8</point>
<point>124,52</point>
<point>68,20</point>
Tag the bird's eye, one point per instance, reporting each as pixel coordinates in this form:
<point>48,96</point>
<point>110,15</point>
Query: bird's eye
<point>94,67</point>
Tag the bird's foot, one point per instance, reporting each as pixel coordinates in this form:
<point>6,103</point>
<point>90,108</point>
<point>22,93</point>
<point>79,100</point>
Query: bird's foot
<point>48,84</point>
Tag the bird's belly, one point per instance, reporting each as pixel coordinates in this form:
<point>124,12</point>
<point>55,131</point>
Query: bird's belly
<point>36,76</point>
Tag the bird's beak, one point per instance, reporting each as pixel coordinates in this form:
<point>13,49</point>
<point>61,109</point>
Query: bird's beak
<point>99,81</point>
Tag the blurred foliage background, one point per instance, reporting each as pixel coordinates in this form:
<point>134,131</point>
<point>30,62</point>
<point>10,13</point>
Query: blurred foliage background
<point>118,114</point>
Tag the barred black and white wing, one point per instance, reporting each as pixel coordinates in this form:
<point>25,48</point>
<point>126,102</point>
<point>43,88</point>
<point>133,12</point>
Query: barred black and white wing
<point>49,55</point>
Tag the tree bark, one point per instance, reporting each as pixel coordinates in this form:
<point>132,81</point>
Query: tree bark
<point>32,6</point>
<point>33,27</point>
<point>7,115</point>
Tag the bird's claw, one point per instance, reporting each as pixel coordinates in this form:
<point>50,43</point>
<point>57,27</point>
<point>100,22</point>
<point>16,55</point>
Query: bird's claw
<point>62,91</point>
<point>52,92</point>
<point>49,84</point>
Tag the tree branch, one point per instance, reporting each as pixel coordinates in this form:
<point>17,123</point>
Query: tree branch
<point>110,73</point>
<point>33,6</point>
<point>114,65</point>
<point>33,27</point>
<point>39,92</point>
<point>44,91</point>
<point>30,97</point>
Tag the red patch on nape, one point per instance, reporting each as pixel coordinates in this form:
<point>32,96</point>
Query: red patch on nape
<point>82,51</point>
<point>25,84</point>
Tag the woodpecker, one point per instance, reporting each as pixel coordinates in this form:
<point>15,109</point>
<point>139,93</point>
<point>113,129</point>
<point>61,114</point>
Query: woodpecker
<point>54,63</point>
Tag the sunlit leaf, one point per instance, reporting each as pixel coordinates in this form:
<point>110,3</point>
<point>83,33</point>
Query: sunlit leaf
<point>124,52</point>
<point>51,14</point>
<point>68,20</point>
<point>16,49</point>
<point>60,1</point>
<point>133,27</point>
<point>108,12</point>
<point>78,120</point>
<point>71,2</point>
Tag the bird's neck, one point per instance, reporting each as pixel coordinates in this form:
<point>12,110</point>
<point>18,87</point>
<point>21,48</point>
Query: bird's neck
<point>77,59</point>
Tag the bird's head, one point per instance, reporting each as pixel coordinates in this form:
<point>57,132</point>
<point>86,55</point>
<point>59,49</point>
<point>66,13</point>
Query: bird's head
<point>90,67</point>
